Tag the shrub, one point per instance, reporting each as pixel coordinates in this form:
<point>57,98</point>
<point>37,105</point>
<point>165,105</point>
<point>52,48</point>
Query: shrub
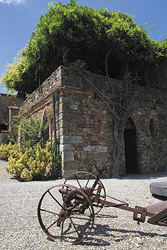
<point>33,164</point>
<point>32,131</point>
<point>7,150</point>
<point>53,170</point>
<point>5,138</point>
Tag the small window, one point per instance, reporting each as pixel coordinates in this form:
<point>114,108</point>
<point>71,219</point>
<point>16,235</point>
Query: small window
<point>153,127</point>
<point>3,128</point>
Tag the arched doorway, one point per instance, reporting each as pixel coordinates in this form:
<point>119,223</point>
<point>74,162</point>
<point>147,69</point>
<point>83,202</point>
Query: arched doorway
<point>131,147</point>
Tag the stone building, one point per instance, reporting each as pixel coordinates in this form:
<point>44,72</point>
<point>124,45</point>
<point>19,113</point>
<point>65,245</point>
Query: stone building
<point>9,107</point>
<point>83,125</point>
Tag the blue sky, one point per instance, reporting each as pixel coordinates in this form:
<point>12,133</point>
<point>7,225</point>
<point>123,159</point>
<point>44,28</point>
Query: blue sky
<point>18,19</point>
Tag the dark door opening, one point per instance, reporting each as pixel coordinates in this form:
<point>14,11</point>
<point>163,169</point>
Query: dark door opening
<point>130,148</point>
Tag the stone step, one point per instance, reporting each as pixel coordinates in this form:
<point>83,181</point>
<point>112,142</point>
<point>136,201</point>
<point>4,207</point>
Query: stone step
<point>159,188</point>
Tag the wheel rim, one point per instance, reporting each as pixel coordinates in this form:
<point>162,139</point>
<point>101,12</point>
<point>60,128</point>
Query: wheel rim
<point>60,216</point>
<point>84,179</point>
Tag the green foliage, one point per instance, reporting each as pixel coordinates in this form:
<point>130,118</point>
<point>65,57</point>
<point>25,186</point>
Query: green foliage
<point>33,164</point>
<point>69,33</point>
<point>31,132</point>
<point>6,138</point>
<point>79,65</point>
<point>35,159</point>
<point>13,77</point>
<point>7,150</point>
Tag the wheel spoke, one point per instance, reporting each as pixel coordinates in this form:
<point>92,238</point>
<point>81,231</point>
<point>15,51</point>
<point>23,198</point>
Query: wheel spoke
<point>87,181</point>
<point>77,181</point>
<point>75,227</point>
<point>55,199</point>
<point>81,218</point>
<point>62,227</point>
<point>48,211</point>
<point>51,225</point>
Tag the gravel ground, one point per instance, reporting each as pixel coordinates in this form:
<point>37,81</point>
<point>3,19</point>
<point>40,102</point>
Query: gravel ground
<point>113,228</point>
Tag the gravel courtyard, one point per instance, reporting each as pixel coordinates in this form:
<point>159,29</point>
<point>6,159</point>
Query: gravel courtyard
<point>113,229</point>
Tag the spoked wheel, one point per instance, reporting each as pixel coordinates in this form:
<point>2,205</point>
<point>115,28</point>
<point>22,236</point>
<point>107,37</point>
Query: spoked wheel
<point>84,180</point>
<point>65,212</point>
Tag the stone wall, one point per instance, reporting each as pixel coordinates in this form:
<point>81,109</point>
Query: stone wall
<point>9,107</point>
<point>85,132</point>
<point>150,122</point>
<point>84,124</point>
<point>7,101</point>
<point>40,102</point>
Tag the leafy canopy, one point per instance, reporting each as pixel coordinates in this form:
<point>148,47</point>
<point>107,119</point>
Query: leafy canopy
<point>69,33</point>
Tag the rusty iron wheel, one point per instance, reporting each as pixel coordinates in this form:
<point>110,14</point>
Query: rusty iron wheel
<point>82,180</point>
<point>62,216</point>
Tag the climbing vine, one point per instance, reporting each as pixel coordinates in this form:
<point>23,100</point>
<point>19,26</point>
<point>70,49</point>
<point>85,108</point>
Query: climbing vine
<point>68,33</point>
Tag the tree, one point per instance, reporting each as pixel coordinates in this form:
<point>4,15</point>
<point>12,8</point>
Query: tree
<point>67,33</point>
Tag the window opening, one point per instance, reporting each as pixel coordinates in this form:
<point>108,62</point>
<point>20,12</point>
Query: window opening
<point>3,128</point>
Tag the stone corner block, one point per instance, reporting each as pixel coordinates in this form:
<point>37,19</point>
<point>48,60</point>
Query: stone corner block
<point>70,139</point>
<point>96,148</point>
<point>67,156</point>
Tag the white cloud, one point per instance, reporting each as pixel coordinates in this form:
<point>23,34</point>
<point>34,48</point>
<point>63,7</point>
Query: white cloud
<point>13,1</point>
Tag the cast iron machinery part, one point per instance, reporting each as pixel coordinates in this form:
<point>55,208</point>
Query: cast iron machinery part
<point>62,215</point>
<point>84,181</point>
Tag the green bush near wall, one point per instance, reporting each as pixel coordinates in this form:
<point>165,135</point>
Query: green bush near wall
<point>34,164</point>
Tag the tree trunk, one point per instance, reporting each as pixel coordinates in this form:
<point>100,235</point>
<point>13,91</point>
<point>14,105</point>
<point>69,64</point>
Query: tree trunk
<point>117,148</point>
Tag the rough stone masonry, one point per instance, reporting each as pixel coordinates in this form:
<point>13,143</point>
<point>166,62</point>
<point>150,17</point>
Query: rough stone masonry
<point>84,125</point>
